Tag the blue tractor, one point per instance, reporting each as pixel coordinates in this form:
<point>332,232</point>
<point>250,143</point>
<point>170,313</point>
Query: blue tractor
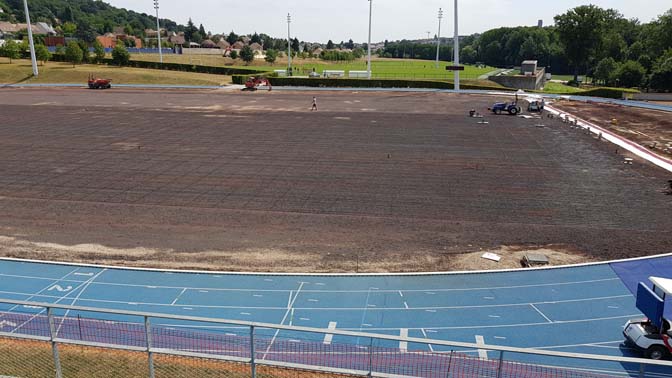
<point>512,108</point>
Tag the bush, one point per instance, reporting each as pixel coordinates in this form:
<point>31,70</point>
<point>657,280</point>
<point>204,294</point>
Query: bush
<point>247,55</point>
<point>615,93</point>
<point>234,54</point>
<point>10,50</point>
<point>120,55</point>
<point>98,51</point>
<point>271,56</point>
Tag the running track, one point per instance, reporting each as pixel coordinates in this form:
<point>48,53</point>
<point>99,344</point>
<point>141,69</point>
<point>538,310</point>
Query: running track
<point>578,309</point>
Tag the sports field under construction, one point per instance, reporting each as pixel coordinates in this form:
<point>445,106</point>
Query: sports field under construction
<point>256,182</point>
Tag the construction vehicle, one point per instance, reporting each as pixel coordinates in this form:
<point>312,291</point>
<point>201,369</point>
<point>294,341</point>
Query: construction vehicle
<point>254,82</point>
<point>653,334</point>
<point>512,108</point>
<point>97,83</point>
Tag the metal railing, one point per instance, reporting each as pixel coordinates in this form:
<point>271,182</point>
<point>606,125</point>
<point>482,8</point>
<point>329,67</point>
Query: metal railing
<point>285,347</point>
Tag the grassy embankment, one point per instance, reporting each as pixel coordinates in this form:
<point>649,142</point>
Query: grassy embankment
<point>19,71</point>
<point>381,68</point>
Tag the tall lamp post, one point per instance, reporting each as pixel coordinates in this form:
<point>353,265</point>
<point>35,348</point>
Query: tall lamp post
<point>438,38</point>
<point>457,50</point>
<point>158,30</point>
<point>368,64</point>
<point>289,45</point>
<point>30,39</point>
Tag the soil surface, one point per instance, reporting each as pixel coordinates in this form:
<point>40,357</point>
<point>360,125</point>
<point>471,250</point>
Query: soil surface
<point>372,182</point>
<point>649,128</point>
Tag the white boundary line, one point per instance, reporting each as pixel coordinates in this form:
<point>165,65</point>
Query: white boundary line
<point>266,274</point>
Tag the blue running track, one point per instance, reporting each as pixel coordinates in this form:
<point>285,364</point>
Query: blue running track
<point>579,309</point>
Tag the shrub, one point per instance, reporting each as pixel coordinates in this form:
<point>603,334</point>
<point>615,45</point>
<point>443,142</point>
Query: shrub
<point>10,50</point>
<point>42,53</point>
<point>120,55</point>
<point>98,51</point>
<point>74,53</point>
<point>630,74</point>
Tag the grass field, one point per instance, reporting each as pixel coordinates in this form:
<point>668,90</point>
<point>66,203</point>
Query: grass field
<point>55,72</point>
<point>381,68</point>
<point>558,88</point>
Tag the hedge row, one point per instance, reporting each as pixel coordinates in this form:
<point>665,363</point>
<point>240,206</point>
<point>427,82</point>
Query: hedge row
<point>364,83</point>
<point>176,67</point>
<point>616,93</point>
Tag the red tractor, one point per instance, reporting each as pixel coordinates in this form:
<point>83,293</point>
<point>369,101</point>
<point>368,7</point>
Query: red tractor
<point>97,83</point>
<point>253,83</point>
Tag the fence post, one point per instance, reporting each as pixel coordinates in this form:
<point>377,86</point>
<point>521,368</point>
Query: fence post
<point>371,358</point>
<point>54,346</point>
<point>150,355</point>
<point>501,363</point>
<point>253,364</point>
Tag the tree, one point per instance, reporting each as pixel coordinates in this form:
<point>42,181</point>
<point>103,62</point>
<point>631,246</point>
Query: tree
<point>74,53</point>
<point>296,46</point>
<point>232,38</point>
<point>120,55</point>
<point>234,54</point>
<point>190,30</point>
<point>630,74</point>
<point>350,44</point>
<point>255,38</point>
<point>69,29</point>
<point>580,31</point>
<point>247,55</point>
<point>330,45</point>
<point>11,50</point>
<point>271,56</point>
<point>468,54</point>
<point>98,51</point>
<point>661,78</point>
<point>201,30</point>
<point>42,53</point>
<point>605,71</point>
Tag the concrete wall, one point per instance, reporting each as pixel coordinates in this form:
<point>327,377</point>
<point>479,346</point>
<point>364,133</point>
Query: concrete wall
<point>652,96</point>
<point>522,82</point>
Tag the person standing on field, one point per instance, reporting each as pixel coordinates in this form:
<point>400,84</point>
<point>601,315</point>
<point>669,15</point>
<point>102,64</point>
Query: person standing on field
<point>314,107</point>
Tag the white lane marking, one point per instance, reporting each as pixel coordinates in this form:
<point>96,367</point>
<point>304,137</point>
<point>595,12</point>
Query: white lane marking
<point>371,305</point>
<point>304,319</point>
<point>429,292</point>
<point>313,300</point>
<point>401,294</point>
<point>367,325</point>
<point>268,280</point>
<point>482,353</point>
<point>403,345</point>
<point>329,291</point>
<point>60,288</point>
<point>329,336</point>
<point>83,274</point>
<point>500,337</point>
<point>203,291</point>
<point>489,298</point>
<point>133,303</point>
<point>541,313</point>
<point>494,316</point>
<point>614,307</point>
<point>320,284</point>
<point>6,323</point>
<point>289,308</point>
<point>178,296</point>
<point>245,313</point>
<point>151,287</point>
<point>430,330</point>
<point>430,310</point>
<point>406,305</point>
<point>431,348</point>
<point>79,295</point>
<point>187,308</point>
<point>257,295</point>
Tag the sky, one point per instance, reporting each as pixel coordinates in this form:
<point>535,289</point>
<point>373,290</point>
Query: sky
<point>341,20</point>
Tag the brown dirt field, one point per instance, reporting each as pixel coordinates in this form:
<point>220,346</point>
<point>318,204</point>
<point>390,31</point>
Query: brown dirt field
<point>374,182</point>
<point>649,128</point>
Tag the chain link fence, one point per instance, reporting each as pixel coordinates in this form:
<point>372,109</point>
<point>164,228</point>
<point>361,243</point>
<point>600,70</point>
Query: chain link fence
<point>40,340</point>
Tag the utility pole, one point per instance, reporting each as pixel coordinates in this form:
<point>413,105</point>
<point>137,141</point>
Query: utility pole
<point>30,39</point>
<point>368,65</point>
<point>289,45</point>
<point>158,30</point>
<point>456,61</point>
<point>438,38</point>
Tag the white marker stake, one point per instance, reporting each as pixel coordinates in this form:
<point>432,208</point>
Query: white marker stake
<point>403,345</point>
<point>482,353</point>
<point>328,337</point>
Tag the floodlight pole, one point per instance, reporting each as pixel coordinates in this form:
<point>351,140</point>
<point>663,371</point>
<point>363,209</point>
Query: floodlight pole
<point>438,38</point>
<point>289,45</point>
<point>368,64</point>
<point>456,61</point>
<point>30,39</point>
<point>158,30</point>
